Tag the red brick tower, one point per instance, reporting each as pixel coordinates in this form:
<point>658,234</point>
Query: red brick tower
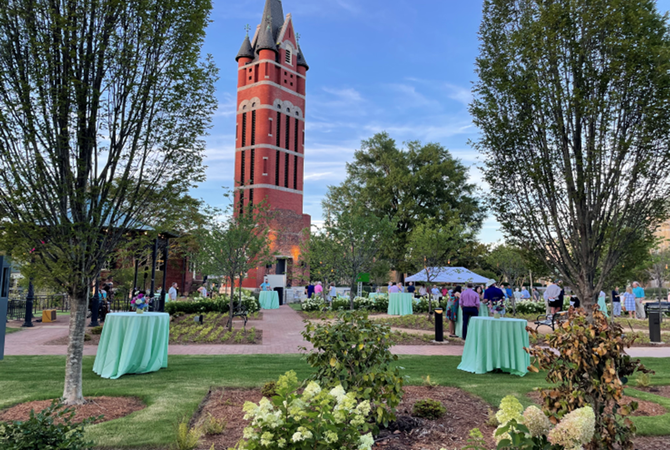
<point>270,136</point>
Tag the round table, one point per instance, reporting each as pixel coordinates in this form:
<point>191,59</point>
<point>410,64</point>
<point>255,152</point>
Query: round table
<point>269,300</point>
<point>400,304</point>
<point>496,344</point>
<point>603,306</point>
<point>483,312</point>
<point>132,343</point>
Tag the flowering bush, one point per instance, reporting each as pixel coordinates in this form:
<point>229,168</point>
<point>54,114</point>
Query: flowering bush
<point>422,305</point>
<point>531,429</point>
<point>315,303</point>
<point>527,307</point>
<point>364,303</point>
<point>575,430</point>
<point>218,305</point>
<point>317,419</point>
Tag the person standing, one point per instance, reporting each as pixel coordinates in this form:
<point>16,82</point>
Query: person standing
<point>436,293</point>
<point>480,291</point>
<point>629,302</point>
<point>616,302</point>
<point>508,292</point>
<point>552,297</point>
<point>410,288</point>
<point>495,298</point>
<point>172,293</point>
<point>332,293</point>
<point>638,291</point>
<point>452,311</point>
<point>401,289</point>
<point>318,289</point>
<point>203,291</point>
<point>422,291</point>
<point>536,295</point>
<point>470,306</point>
<point>525,295</point>
<point>265,285</point>
<point>393,289</point>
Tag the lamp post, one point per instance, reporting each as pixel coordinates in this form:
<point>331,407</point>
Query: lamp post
<point>439,325</point>
<point>95,305</point>
<point>28,323</point>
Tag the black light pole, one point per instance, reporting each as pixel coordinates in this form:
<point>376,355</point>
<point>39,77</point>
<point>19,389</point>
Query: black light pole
<point>166,251</point>
<point>439,325</point>
<point>154,255</point>
<point>29,305</point>
<point>95,305</point>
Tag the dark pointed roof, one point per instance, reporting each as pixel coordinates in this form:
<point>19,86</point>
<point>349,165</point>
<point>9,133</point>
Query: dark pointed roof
<point>275,12</point>
<point>301,58</point>
<point>245,51</point>
<point>265,39</point>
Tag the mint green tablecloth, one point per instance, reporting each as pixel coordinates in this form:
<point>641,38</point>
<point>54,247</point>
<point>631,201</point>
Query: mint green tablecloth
<point>496,344</point>
<point>132,343</point>
<point>603,306</point>
<point>400,304</point>
<point>483,312</point>
<point>269,300</point>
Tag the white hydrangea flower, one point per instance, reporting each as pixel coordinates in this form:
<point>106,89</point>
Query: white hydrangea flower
<point>297,437</point>
<point>281,443</point>
<point>338,393</point>
<point>266,439</point>
<point>536,421</point>
<point>366,441</point>
<point>575,430</point>
<point>312,390</point>
<point>330,437</point>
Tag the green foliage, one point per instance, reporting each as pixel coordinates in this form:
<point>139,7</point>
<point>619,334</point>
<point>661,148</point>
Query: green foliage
<point>475,441</point>
<point>219,305</point>
<point>408,186</point>
<point>188,438</point>
<point>556,80</point>
<point>590,368</point>
<point>317,419</point>
<point>509,263</point>
<point>516,436</point>
<point>355,352</point>
<point>528,307</point>
<point>212,426</point>
<point>236,245</point>
<point>643,380</point>
<point>269,389</point>
<point>316,303</point>
<point>51,428</point>
<point>428,409</point>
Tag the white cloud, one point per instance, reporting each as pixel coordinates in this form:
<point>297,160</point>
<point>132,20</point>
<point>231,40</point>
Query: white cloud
<point>460,94</point>
<point>317,176</point>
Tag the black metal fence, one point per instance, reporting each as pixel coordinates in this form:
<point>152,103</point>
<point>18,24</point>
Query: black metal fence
<point>17,305</point>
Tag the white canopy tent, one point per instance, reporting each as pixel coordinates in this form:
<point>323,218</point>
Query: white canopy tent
<point>448,275</point>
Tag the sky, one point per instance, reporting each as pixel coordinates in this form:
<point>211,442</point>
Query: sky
<point>405,67</point>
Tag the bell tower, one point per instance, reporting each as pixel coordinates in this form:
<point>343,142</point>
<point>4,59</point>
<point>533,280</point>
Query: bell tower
<point>270,136</point>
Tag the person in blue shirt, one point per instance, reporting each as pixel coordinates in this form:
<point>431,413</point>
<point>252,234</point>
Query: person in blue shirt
<point>495,296</point>
<point>265,286</point>
<point>524,293</point>
<point>508,291</point>
<point>638,291</point>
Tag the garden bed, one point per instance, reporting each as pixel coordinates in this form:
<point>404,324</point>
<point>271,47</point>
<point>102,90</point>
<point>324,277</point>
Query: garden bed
<point>109,407</point>
<point>464,412</point>
<point>184,330</point>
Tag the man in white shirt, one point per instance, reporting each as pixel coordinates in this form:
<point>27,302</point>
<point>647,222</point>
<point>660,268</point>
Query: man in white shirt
<point>172,293</point>
<point>552,296</point>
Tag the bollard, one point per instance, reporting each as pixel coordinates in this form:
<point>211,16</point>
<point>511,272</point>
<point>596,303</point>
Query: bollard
<point>655,325</point>
<point>439,325</point>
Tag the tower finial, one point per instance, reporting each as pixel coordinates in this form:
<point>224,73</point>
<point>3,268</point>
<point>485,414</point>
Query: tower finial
<point>247,28</point>
<point>297,37</point>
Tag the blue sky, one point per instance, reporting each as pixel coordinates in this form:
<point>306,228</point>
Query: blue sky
<point>405,67</point>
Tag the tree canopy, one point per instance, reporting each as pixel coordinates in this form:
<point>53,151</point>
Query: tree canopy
<point>104,105</point>
<point>407,186</point>
<point>572,103</point>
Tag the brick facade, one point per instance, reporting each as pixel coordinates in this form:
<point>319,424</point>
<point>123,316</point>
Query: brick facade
<point>270,136</point>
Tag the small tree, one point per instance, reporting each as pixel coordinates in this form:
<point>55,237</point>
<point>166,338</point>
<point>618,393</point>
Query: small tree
<point>317,250</point>
<point>103,106</point>
<point>351,242</point>
<point>433,245</point>
<point>233,246</point>
<point>509,263</point>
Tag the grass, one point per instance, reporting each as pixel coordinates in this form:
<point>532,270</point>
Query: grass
<point>295,306</point>
<point>173,394</point>
<point>12,330</point>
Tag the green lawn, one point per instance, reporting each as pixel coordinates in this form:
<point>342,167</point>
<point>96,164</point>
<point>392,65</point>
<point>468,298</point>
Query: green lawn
<point>12,330</point>
<point>295,306</point>
<point>174,393</point>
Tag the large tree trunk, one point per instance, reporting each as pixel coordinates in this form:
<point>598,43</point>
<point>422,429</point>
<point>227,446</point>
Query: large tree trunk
<point>72,393</point>
<point>231,302</point>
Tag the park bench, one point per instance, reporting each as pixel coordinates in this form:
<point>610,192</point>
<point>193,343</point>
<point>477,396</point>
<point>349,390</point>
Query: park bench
<point>239,311</point>
<point>556,320</point>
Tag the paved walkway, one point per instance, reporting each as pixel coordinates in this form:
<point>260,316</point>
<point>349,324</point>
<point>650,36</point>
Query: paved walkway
<point>281,335</point>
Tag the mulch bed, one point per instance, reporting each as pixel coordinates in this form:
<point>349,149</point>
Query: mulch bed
<point>109,407</point>
<point>663,391</point>
<point>645,408</point>
<point>464,412</point>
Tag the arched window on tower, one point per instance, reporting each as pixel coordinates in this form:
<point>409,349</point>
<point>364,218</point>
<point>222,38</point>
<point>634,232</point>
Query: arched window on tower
<point>289,56</point>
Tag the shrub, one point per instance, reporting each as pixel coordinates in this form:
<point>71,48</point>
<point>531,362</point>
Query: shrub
<point>587,363</point>
<point>41,432</point>
<point>340,304</point>
<point>355,352</point>
<point>422,305</point>
<point>527,307</point>
<point>219,305</point>
<point>313,304</point>
<point>364,303</point>
<point>428,409</point>
<point>95,330</point>
<point>187,438</point>
<point>269,389</point>
<point>381,303</point>
<point>213,426</point>
<point>316,419</point>
<point>643,380</point>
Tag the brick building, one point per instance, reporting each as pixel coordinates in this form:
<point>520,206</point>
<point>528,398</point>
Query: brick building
<point>270,136</point>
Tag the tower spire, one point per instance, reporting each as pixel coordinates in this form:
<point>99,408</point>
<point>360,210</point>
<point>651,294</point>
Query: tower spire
<point>274,10</point>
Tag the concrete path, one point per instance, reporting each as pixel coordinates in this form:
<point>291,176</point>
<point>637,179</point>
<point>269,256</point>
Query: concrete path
<point>281,335</point>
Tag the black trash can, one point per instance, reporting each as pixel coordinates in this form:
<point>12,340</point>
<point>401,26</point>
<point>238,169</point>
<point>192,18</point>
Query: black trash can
<point>280,292</point>
<point>655,325</point>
